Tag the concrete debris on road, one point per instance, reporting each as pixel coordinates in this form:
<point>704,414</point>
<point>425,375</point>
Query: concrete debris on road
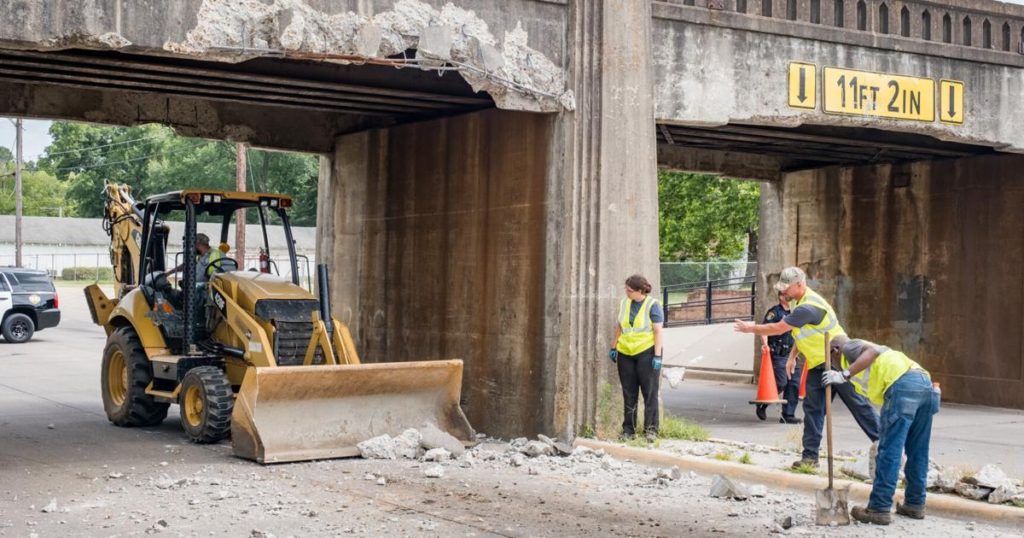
<point>989,476</point>
<point>51,507</point>
<point>670,474</point>
<point>971,491</point>
<point>437,455</point>
<point>722,487</point>
<point>433,437</point>
<point>674,376</point>
<point>434,471</point>
<point>1002,494</point>
<point>859,468</point>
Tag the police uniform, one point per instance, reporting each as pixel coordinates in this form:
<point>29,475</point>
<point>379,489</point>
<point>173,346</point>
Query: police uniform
<point>780,346</point>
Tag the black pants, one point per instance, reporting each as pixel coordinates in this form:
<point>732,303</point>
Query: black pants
<point>789,387</point>
<point>637,375</point>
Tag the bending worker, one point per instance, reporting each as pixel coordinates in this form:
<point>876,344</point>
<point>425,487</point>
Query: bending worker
<point>810,319</point>
<point>904,391</point>
<point>636,351</point>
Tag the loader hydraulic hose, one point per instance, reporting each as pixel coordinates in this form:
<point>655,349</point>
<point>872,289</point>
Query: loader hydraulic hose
<point>324,292</point>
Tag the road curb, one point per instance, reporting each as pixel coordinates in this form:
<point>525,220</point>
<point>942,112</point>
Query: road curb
<point>723,376</point>
<point>938,504</point>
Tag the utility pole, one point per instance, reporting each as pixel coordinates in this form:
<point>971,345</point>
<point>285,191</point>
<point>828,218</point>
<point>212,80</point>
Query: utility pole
<point>17,194</point>
<point>240,216</point>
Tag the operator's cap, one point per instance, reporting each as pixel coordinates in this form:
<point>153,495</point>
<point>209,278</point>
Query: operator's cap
<point>790,276</point>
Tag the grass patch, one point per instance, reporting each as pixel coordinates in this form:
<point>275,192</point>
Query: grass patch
<point>641,442</point>
<point>722,455</point>
<point>803,469</point>
<point>680,428</point>
<point>745,459</point>
<point>587,431</point>
<point>1018,503</point>
<point>609,412</point>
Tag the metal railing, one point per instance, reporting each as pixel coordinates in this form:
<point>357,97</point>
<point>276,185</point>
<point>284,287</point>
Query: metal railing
<point>709,301</point>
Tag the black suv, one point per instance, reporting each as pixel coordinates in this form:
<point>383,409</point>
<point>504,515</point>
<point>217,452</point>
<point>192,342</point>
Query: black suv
<point>28,303</point>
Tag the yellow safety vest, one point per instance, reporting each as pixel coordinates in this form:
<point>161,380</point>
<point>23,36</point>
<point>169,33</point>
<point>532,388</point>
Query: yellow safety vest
<point>638,336</point>
<point>877,378</point>
<point>810,339</point>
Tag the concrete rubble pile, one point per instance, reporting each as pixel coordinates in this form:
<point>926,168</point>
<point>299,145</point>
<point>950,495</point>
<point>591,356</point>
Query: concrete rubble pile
<point>515,75</point>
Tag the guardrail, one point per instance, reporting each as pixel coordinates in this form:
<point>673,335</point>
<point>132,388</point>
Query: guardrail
<point>710,301</point>
<point>980,24</point>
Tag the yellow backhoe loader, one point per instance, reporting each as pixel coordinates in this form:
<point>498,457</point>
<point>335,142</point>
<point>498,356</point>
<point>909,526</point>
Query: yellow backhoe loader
<point>246,353</point>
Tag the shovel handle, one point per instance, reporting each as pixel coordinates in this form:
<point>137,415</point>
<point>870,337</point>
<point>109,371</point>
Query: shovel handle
<point>828,408</point>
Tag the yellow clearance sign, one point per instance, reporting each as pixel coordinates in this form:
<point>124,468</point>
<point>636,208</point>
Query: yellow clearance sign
<point>862,93</point>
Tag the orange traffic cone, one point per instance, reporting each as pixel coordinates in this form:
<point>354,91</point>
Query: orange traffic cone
<point>767,391</point>
<point>803,382</point>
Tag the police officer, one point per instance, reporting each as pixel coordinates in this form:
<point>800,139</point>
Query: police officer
<point>780,346</point>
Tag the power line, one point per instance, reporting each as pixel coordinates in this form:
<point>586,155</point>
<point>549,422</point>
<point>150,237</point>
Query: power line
<point>90,148</point>
<point>179,150</point>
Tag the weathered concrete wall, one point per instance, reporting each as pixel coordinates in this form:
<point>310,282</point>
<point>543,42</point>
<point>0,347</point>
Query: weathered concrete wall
<point>435,232</point>
<point>923,257</point>
<point>715,67</point>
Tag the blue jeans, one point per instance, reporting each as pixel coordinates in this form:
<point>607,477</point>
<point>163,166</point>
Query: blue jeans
<point>789,387</point>
<point>814,411</point>
<point>906,425</point>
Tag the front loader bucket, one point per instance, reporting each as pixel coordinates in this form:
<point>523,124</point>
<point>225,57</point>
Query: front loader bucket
<point>294,413</point>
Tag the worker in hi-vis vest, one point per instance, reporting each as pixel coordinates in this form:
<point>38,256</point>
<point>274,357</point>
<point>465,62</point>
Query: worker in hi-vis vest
<point>637,352</point>
<point>811,317</point>
<point>908,400</point>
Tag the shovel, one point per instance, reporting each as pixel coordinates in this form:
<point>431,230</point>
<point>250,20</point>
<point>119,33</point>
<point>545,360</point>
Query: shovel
<point>832,504</point>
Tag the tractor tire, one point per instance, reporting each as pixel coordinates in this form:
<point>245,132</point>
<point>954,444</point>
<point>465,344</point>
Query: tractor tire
<point>206,402</point>
<point>124,376</point>
<point>18,328</point>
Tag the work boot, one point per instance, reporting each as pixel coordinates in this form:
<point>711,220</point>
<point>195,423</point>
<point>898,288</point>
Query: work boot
<point>867,515</point>
<point>790,420</point>
<point>805,461</point>
<point>916,512</point>
<point>760,411</point>
<point>651,436</point>
<point>626,437</point>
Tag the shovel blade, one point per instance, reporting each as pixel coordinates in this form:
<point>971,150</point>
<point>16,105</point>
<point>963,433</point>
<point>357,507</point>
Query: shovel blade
<point>832,506</point>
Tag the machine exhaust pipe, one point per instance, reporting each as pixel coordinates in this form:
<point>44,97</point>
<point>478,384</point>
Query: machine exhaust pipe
<point>323,290</point>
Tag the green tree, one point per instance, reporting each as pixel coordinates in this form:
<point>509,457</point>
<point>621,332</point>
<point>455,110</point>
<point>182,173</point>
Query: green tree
<point>153,159</point>
<point>703,217</point>
<point>42,194</point>
<point>5,155</point>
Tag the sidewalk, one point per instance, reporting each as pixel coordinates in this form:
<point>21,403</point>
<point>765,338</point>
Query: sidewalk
<point>962,435</point>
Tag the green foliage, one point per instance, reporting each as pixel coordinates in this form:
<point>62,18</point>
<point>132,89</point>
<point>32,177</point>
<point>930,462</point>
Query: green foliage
<point>745,459</point>
<point>723,455</point>
<point>704,217</point>
<point>640,441</point>
<point>587,431</point>
<point>673,427</point>
<point>42,194</point>
<point>87,273</point>
<point>609,412</point>
<point>5,155</point>
<point>153,159</point>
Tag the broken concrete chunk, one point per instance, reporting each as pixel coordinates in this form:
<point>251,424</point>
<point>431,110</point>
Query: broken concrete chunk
<point>1002,494</point>
<point>989,476</point>
<point>971,491</point>
<point>722,487</point>
<point>435,43</point>
<point>51,507</point>
<point>437,454</point>
<point>381,447</point>
<point>674,376</point>
<point>434,471</point>
<point>382,481</point>
<point>859,468</point>
<point>785,522</point>
<point>670,474</point>
<point>758,490</point>
<point>546,440</point>
<point>256,533</point>
<point>536,448</point>
<point>609,463</point>
<point>518,459</point>
<point>407,445</point>
<point>948,479</point>
<point>433,437</point>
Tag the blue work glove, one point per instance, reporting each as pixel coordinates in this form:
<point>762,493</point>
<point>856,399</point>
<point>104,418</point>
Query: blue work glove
<point>656,362</point>
<point>832,377</point>
<point>613,354</point>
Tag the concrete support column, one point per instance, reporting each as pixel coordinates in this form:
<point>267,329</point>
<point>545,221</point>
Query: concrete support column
<point>603,220</point>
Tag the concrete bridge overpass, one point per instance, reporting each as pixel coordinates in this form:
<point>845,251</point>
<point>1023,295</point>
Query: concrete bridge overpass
<point>488,168</point>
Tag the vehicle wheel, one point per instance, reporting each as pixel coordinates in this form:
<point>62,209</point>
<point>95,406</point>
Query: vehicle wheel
<point>206,402</point>
<point>124,376</point>
<point>18,328</point>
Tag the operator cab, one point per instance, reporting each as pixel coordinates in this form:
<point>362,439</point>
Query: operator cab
<point>183,314</point>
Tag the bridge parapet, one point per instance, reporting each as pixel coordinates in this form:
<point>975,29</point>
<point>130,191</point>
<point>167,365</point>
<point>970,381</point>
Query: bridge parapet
<point>981,29</point>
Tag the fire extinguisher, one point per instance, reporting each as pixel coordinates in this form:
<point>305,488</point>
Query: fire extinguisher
<point>264,261</point>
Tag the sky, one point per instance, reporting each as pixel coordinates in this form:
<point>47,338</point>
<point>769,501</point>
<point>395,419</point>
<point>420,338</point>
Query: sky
<point>37,135</point>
